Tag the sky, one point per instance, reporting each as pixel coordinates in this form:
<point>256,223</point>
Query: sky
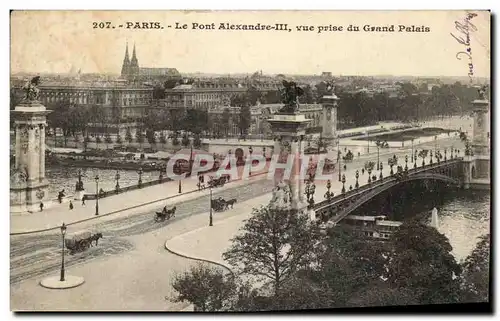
<point>56,41</point>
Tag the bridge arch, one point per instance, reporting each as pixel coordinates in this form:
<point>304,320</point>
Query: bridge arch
<point>367,196</point>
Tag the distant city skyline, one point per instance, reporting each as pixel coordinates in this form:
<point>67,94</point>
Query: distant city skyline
<point>57,41</point>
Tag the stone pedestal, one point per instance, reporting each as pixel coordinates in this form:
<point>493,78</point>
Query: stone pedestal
<point>79,195</point>
<point>29,187</point>
<point>289,131</point>
<point>329,122</point>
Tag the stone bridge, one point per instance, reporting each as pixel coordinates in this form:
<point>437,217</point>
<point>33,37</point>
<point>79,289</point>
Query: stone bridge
<point>453,172</point>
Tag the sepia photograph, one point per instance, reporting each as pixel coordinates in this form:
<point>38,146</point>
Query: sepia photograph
<point>250,161</point>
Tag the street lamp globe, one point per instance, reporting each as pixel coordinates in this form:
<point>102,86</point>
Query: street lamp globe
<point>63,229</point>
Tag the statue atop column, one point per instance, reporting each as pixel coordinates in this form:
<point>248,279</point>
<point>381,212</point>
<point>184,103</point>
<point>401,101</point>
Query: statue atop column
<point>31,90</point>
<point>290,97</point>
<point>329,88</point>
<point>482,93</point>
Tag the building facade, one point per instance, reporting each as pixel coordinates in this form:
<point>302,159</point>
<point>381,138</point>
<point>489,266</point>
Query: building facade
<point>259,127</point>
<point>118,100</point>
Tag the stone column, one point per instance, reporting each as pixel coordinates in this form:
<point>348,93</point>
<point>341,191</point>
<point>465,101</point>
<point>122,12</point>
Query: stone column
<point>302,197</point>
<point>329,121</point>
<point>480,144</point>
<point>41,143</point>
<point>289,130</point>
<point>28,186</point>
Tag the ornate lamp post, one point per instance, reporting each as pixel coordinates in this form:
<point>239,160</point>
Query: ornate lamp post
<point>445,151</point>
<point>264,152</point>
<point>412,150</point>
<point>406,163</point>
<point>210,222</point>
<point>343,183</point>
<point>140,177</point>
<point>63,234</point>
<point>79,184</point>
<point>339,160</point>
<point>250,150</point>
<point>117,177</point>
<point>357,183</point>
<point>377,143</point>
<point>309,191</point>
<point>178,166</point>
<point>381,170</point>
<point>430,153</point>
<point>97,195</point>
<point>329,195</point>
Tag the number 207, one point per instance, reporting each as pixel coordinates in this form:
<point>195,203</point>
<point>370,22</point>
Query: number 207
<point>102,25</point>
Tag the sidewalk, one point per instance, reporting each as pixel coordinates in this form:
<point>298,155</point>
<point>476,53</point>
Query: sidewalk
<point>132,202</point>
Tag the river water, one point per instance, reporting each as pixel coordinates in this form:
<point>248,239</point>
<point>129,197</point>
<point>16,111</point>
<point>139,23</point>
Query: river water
<point>61,177</point>
<point>464,215</point>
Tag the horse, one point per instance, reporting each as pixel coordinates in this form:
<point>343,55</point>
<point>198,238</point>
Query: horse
<point>231,202</point>
<point>171,212</point>
<point>95,238</point>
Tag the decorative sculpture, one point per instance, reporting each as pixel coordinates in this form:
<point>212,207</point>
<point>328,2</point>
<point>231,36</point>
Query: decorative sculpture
<point>281,196</point>
<point>31,89</point>
<point>18,176</point>
<point>289,96</point>
<point>482,93</point>
<point>329,88</point>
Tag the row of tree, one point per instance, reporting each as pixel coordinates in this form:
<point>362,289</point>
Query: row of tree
<point>298,267</point>
<point>355,109</point>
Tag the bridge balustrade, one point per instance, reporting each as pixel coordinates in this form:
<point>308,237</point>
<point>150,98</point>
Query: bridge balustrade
<point>344,205</point>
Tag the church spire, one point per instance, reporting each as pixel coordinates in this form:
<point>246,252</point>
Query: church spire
<point>134,58</point>
<point>134,64</point>
<point>126,63</point>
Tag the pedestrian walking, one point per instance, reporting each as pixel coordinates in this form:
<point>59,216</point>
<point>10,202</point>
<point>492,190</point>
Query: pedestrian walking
<point>70,205</point>
<point>41,206</point>
<point>83,200</point>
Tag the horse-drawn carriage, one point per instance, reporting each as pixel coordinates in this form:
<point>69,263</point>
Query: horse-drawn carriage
<point>81,241</point>
<point>216,182</point>
<point>348,157</point>
<point>165,214</point>
<point>220,204</point>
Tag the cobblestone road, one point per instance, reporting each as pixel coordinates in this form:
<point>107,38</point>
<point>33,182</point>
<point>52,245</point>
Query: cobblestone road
<point>35,255</point>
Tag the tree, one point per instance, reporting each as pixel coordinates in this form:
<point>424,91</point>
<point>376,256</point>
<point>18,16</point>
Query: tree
<point>139,135</point>
<point>185,140</point>
<point>422,262</point>
<point>163,138</point>
<point>476,272</point>
<point>209,289</point>
<point>308,97</point>
<point>274,244</point>
<point>128,135</point>
<point>245,120</point>
<point>226,118</point>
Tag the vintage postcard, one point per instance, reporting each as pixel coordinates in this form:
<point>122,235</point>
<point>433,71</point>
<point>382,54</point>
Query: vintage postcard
<point>249,160</point>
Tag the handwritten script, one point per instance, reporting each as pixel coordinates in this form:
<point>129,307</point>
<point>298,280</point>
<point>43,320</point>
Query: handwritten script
<point>464,29</point>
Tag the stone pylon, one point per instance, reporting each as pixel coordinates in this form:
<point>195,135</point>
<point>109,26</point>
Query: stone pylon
<point>329,122</point>
<point>289,139</point>
<point>28,183</point>
<point>480,144</point>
